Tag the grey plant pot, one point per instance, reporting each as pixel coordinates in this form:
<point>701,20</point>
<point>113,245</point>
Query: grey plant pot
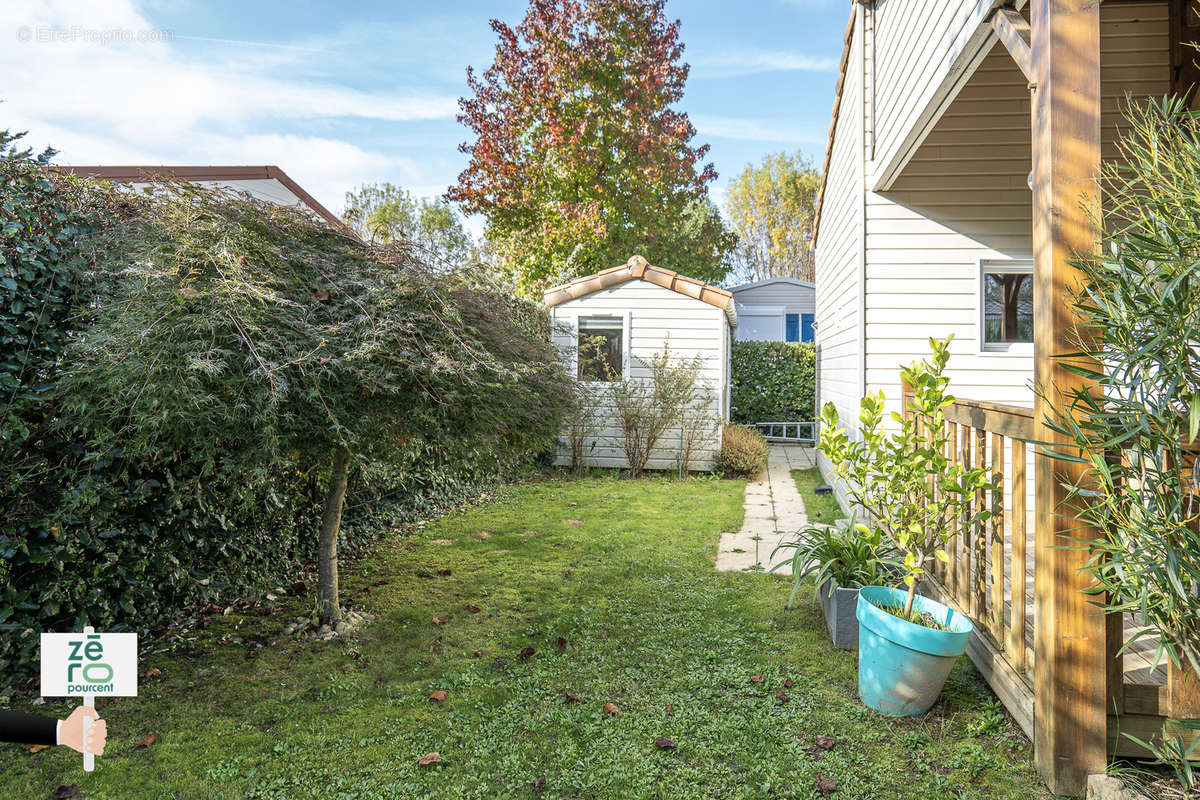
<point>839,605</point>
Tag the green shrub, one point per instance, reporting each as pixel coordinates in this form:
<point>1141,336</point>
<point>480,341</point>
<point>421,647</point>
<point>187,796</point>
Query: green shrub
<point>772,381</point>
<point>126,496</point>
<point>848,557</point>
<point>1131,428</point>
<point>743,451</point>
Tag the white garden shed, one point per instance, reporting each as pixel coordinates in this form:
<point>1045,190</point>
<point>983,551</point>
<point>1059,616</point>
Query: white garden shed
<point>629,313</point>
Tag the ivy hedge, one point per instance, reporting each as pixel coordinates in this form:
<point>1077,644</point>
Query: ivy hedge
<point>772,381</point>
<point>96,532</point>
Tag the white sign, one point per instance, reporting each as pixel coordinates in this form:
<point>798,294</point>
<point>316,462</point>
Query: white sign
<point>89,664</point>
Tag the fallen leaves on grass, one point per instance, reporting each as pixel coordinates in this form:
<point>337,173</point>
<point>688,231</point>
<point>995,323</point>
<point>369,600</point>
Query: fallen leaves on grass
<point>439,696</point>
<point>438,621</point>
<point>153,672</point>
<point>146,741</point>
<point>611,708</point>
<point>826,742</point>
<point>574,523</point>
<point>539,784</point>
<point>781,696</point>
<point>670,709</point>
<point>663,743</point>
<point>479,654</point>
<point>526,653</point>
<point>429,759</point>
<point>560,644</point>
<point>826,785</point>
<point>788,683</point>
<point>37,748</point>
<point>572,697</point>
<point>474,609</point>
<point>757,678</point>
<point>568,573</point>
<point>445,573</point>
<point>65,792</point>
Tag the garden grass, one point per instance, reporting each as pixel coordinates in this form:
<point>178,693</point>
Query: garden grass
<point>820,507</point>
<point>623,572</point>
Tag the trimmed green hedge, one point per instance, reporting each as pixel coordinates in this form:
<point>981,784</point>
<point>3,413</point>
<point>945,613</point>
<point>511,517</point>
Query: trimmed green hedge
<point>92,534</point>
<point>773,381</point>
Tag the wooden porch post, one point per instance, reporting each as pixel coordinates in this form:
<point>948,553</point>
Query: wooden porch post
<point>1070,718</point>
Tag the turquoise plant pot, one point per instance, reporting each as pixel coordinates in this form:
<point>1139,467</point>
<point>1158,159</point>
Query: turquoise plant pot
<point>903,666</point>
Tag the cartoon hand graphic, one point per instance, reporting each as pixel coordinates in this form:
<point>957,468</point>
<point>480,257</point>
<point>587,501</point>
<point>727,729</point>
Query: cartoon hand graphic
<point>71,733</point>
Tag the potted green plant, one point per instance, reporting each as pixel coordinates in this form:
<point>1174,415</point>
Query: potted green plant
<point>840,560</point>
<point>910,492</point>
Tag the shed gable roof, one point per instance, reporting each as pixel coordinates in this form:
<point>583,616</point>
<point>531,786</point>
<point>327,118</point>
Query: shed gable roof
<point>637,268</point>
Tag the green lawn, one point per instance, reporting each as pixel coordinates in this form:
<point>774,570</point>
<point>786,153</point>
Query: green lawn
<point>820,507</point>
<point>622,572</point>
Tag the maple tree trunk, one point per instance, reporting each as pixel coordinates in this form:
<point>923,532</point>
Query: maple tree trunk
<point>328,607</point>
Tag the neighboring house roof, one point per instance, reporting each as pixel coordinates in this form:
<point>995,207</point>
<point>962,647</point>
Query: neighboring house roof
<point>637,268</point>
<point>777,279</point>
<point>837,107</point>
<point>285,192</point>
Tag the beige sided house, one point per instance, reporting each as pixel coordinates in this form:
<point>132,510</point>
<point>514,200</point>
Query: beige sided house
<point>957,187</point>
<point>632,312</point>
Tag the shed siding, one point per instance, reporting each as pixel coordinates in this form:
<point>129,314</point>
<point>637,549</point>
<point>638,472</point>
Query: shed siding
<point>657,317</point>
<point>794,299</point>
<point>838,258</point>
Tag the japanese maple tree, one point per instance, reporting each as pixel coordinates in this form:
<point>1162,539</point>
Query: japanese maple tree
<point>579,158</point>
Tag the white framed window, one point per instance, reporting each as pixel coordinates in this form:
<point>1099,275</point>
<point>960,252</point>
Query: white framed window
<point>1006,307</point>
<point>601,348</point>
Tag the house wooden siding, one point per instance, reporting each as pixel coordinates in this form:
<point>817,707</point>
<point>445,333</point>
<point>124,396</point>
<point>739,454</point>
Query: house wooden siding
<point>962,199</point>
<point>948,140</point>
<point>917,44</point>
<point>839,254</point>
<point>653,317</point>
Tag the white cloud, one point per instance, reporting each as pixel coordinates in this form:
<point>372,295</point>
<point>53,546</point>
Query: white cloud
<point>734,63</point>
<point>99,82</point>
<point>753,130</point>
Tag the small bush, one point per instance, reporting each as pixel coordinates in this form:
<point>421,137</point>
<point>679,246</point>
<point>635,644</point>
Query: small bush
<point>772,381</point>
<point>743,451</point>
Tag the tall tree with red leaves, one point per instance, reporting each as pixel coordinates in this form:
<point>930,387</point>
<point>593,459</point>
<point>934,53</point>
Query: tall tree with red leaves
<point>579,159</point>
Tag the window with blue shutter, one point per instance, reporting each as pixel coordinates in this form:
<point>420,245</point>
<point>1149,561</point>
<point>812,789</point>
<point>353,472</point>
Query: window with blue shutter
<point>793,328</point>
<point>806,327</point>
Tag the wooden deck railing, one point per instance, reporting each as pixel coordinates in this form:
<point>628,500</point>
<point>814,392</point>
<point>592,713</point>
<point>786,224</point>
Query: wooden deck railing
<point>990,577</point>
<point>990,567</point>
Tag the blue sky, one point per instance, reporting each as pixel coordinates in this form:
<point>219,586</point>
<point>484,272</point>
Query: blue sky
<point>342,93</point>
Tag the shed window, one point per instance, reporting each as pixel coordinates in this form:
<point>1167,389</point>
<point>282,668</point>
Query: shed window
<point>806,327</point>
<point>1007,307</point>
<point>600,354</point>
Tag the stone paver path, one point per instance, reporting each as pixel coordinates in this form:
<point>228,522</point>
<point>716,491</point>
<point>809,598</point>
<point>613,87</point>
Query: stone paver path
<point>774,512</point>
